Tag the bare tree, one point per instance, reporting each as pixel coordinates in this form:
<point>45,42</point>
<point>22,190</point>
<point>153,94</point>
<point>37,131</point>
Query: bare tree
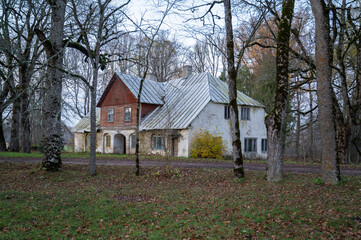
<point>53,142</point>
<point>103,17</point>
<point>326,100</point>
<point>276,118</point>
<point>232,92</point>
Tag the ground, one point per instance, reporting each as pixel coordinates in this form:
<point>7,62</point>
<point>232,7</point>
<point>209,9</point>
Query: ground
<point>173,203</point>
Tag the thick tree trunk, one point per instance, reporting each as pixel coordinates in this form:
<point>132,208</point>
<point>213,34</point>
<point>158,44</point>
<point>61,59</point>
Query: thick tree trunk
<point>232,92</point>
<point>14,145</point>
<point>275,120</point>
<point>53,141</point>
<point>24,129</point>
<point>2,138</point>
<point>326,101</point>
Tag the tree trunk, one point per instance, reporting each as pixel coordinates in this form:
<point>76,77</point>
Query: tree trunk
<point>15,123</point>
<point>298,125</point>
<point>275,120</point>
<point>326,101</point>
<point>232,92</point>
<point>93,119</point>
<point>53,141</point>
<point>24,129</point>
<point>2,138</point>
<point>310,124</point>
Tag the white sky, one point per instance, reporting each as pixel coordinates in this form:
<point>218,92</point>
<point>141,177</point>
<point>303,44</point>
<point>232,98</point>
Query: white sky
<point>175,22</point>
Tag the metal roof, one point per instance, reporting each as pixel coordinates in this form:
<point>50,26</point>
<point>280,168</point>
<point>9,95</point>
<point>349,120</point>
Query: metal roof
<point>186,98</point>
<point>84,124</point>
<point>152,91</point>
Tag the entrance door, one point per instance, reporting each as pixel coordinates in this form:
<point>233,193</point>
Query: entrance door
<point>174,147</point>
<point>119,144</point>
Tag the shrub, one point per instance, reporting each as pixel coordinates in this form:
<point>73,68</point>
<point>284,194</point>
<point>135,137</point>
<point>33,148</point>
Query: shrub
<point>207,145</point>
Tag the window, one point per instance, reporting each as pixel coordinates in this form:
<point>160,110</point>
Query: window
<point>111,115</point>
<point>226,112</point>
<point>158,143</point>
<point>107,140</point>
<point>132,141</point>
<point>127,114</point>
<point>245,113</point>
<point>264,145</point>
<point>250,145</point>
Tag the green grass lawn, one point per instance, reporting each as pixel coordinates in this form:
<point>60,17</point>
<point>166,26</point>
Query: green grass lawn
<point>168,203</point>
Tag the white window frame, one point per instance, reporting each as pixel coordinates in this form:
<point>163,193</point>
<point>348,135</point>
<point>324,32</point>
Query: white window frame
<point>133,141</point>
<point>127,114</point>
<point>110,116</point>
<point>108,140</point>
<point>158,143</point>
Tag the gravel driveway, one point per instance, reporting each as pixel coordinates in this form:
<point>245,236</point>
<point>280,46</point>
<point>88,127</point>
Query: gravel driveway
<point>226,165</point>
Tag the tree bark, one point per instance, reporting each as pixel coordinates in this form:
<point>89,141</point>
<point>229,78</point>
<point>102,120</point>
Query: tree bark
<point>310,124</point>
<point>276,118</point>
<point>53,141</point>
<point>298,125</point>
<point>24,129</point>
<point>326,101</point>
<point>14,145</point>
<point>232,92</point>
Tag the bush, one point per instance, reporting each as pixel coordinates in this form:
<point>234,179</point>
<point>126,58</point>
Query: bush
<point>207,145</point>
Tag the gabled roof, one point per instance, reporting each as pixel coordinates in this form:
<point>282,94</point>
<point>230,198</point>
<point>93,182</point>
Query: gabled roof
<point>84,124</point>
<point>152,91</point>
<point>185,99</point>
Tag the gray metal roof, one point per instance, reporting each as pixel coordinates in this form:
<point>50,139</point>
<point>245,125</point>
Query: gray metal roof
<point>152,91</point>
<point>84,124</point>
<point>185,99</point>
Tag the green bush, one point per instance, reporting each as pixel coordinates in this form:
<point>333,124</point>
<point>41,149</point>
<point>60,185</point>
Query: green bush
<point>207,145</point>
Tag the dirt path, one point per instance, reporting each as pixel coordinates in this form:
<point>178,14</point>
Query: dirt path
<point>152,163</point>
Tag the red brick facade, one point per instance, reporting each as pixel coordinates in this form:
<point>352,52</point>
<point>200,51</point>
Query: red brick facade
<point>117,96</point>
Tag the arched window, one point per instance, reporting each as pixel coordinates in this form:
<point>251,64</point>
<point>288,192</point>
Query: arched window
<point>107,140</point>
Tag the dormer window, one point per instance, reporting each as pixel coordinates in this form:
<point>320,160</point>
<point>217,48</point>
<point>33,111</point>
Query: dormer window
<point>127,114</point>
<point>111,115</point>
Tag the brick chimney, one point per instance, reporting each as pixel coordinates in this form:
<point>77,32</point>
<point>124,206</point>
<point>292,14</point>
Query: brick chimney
<point>186,71</point>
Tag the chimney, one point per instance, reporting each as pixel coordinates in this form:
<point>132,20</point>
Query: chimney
<point>151,76</point>
<point>187,71</point>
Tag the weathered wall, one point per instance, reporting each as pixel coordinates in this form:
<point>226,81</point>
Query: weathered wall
<point>118,116</point>
<point>112,133</point>
<point>80,142</point>
<point>212,119</point>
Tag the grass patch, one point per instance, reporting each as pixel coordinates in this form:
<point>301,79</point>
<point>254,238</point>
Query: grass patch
<point>168,203</point>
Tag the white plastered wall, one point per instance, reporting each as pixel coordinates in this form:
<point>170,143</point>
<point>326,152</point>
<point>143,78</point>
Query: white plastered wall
<point>211,118</point>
